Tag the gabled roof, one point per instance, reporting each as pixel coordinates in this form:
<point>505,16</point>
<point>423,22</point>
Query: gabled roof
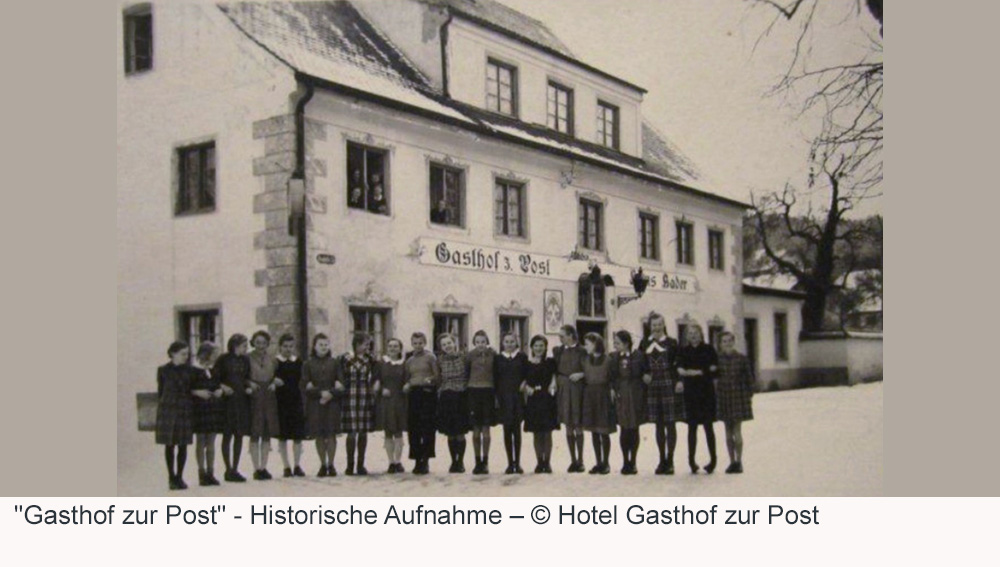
<point>333,45</point>
<point>507,21</point>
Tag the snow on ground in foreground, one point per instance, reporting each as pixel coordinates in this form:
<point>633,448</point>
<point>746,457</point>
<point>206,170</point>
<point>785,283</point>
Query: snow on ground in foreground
<point>815,442</point>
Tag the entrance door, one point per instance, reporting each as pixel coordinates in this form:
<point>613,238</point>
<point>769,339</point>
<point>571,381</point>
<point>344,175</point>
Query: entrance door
<point>600,327</point>
<point>750,332</point>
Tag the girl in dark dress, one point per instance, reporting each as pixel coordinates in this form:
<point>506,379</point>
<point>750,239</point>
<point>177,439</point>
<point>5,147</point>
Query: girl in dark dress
<point>734,393</point>
<point>423,376</point>
<point>323,391</point>
<point>208,413</point>
<point>540,412</point>
<point>390,411</point>
<point>511,366</point>
<point>453,400</point>
<point>598,411</point>
<point>233,369</point>
<point>358,373</point>
<point>664,398</point>
<point>696,365</point>
<point>291,413</point>
<point>173,411</point>
<point>481,361</point>
<point>569,393</point>
<point>630,397</point>
<point>263,403</point>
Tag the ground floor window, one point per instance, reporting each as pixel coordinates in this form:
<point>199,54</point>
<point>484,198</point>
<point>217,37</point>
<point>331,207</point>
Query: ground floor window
<point>373,322</point>
<point>781,336</point>
<point>583,327</point>
<point>454,323</point>
<point>514,324</point>
<point>713,335</point>
<point>198,326</point>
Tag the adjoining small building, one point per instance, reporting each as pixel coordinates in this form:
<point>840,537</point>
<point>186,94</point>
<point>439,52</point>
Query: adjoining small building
<point>772,323</point>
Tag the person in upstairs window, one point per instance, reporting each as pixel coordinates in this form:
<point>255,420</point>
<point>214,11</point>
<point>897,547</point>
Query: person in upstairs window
<point>377,202</point>
<point>356,190</point>
<point>440,213</point>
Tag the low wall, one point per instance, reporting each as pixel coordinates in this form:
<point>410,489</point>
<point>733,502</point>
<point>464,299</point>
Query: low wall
<point>840,358</point>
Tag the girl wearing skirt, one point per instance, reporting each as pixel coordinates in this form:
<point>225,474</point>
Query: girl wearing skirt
<point>540,411</point>
<point>390,411</point>
<point>482,398</point>
<point>734,393</point>
<point>358,373</point>
<point>696,364</point>
<point>423,374</point>
<point>630,397</point>
<point>208,413</point>
<point>598,412</point>
<point>263,403</point>
<point>453,400</point>
<point>323,390</point>
<point>569,396</point>
<point>291,413</point>
<point>664,400</point>
<point>511,366</point>
<point>173,411</point>
<point>233,369</point>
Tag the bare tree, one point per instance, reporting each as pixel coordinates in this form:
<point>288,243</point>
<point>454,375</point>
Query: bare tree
<point>845,160</point>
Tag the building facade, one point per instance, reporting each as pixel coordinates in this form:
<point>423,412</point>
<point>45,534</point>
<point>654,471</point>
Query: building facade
<point>341,167</point>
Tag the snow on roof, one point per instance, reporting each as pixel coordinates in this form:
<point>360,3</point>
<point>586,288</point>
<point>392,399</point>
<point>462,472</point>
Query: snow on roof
<point>507,18</point>
<point>782,282</point>
<point>332,41</point>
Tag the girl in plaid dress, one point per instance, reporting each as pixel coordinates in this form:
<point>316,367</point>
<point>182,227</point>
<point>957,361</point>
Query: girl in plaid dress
<point>453,400</point>
<point>208,412</point>
<point>173,412</point>
<point>358,373</point>
<point>663,390</point>
<point>734,392</point>
<point>630,397</point>
<point>233,369</point>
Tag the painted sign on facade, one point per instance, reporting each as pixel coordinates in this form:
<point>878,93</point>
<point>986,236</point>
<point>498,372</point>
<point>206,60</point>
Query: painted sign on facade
<point>459,255</point>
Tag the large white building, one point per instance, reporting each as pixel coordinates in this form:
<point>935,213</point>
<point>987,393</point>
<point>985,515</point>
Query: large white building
<point>508,171</point>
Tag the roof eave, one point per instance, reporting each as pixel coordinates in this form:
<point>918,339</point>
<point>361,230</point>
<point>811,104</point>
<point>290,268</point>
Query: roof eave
<point>750,289</point>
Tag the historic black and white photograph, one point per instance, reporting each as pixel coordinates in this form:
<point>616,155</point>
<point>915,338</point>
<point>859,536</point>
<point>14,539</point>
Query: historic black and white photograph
<point>500,248</point>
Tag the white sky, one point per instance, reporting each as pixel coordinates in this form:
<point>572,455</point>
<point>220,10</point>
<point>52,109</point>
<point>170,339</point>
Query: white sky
<point>706,83</point>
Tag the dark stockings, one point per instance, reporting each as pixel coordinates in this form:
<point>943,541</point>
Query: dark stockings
<point>512,444</point>
<point>602,446</point>
<point>232,447</point>
<point>357,444</point>
<point>543,447</point>
<point>181,460</point>
<point>666,441</point>
<point>456,446</point>
<point>693,445</point>
<point>629,440</point>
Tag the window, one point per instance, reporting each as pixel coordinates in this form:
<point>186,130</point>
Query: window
<point>366,179</point>
<point>781,336</point>
<point>138,24</point>
<point>516,325</point>
<point>501,87</point>
<point>590,296</point>
<point>509,209</point>
<point>649,236</point>
<point>560,108</point>
<point>713,335</point>
<point>607,124</point>
<point>373,322</point>
<point>198,326</point>
<point>590,224</point>
<point>454,323</point>
<point>196,179</point>
<point>447,195</point>
<point>685,243</point>
<point>715,250</point>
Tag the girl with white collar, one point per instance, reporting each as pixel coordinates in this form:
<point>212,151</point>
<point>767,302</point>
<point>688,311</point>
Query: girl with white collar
<point>390,411</point>
<point>291,414</point>
<point>511,372</point>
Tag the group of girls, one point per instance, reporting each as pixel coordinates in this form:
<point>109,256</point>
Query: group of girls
<point>581,387</point>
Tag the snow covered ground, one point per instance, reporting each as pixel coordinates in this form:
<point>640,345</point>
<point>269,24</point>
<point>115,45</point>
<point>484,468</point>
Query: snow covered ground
<point>816,442</point>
